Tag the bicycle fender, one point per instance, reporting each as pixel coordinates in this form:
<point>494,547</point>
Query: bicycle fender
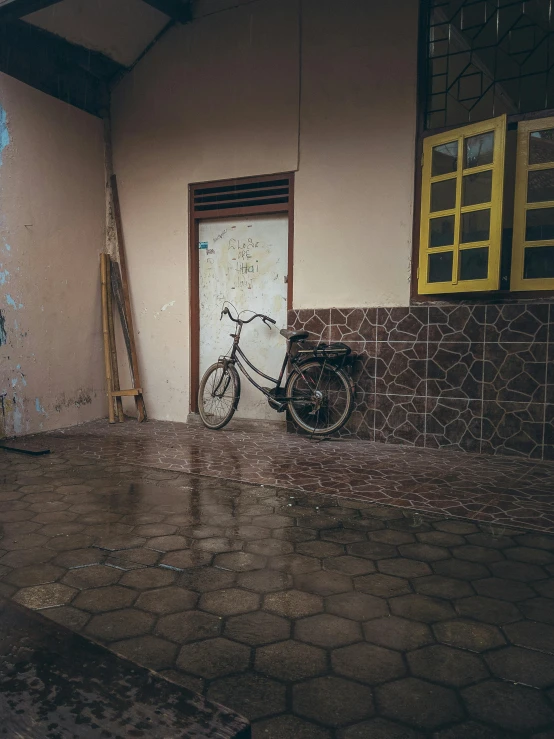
<point>229,366</point>
<point>231,369</point>
<point>298,365</point>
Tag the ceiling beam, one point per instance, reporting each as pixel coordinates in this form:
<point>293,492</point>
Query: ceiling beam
<point>12,9</point>
<point>177,10</point>
<point>53,65</point>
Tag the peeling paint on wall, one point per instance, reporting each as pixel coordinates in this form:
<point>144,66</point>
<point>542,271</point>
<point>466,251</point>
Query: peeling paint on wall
<point>13,417</point>
<point>11,302</point>
<point>4,133</point>
<point>38,407</point>
<point>47,350</point>
<point>2,415</point>
<point>83,397</point>
<point>17,417</point>
<point>4,274</point>
<point>3,335</point>
<point>164,308</point>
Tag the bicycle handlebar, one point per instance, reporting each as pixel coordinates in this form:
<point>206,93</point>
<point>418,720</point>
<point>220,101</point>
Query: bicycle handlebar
<point>227,312</point>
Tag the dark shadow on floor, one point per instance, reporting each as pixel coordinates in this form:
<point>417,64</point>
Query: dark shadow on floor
<point>55,684</point>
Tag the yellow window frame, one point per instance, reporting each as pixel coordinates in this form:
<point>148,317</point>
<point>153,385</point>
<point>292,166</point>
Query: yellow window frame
<point>521,206</point>
<point>494,243</point>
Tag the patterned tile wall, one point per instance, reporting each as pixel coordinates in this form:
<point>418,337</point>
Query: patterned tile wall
<point>477,378</point>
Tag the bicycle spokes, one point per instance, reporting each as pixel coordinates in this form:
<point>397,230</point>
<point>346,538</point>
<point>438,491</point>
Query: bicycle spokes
<point>218,395</point>
<point>319,397</point>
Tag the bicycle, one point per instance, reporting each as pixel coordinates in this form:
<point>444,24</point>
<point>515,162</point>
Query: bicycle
<point>318,392</point>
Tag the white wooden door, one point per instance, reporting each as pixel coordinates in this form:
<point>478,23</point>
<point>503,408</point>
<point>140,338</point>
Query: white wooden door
<point>244,261</point>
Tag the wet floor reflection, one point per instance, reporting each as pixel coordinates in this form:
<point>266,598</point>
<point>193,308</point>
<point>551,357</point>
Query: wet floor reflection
<point>314,616</point>
<point>503,490</point>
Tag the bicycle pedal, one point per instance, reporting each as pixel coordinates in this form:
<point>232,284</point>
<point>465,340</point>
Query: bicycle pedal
<point>273,398</point>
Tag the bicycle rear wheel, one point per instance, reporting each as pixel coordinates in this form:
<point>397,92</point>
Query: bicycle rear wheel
<point>321,397</point>
<point>218,395</point>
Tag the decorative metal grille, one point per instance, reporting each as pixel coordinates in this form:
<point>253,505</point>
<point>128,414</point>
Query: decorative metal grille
<point>488,57</point>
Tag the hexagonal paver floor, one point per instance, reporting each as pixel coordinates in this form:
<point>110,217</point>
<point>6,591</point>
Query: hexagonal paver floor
<point>317,617</point>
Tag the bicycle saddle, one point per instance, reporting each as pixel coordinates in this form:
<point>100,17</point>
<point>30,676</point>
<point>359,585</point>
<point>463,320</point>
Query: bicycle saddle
<point>293,336</point>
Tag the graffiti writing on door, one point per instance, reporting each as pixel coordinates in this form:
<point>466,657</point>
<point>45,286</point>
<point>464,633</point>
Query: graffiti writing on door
<point>244,261</point>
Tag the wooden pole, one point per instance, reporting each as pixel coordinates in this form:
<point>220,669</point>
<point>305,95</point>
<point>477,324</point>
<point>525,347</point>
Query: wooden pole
<point>139,400</point>
<point>113,348</point>
<point>106,335</point>
<point>117,292</point>
<point>111,236</point>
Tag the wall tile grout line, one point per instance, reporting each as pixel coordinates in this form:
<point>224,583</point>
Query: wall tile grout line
<point>482,410</point>
<point>548,330</point>
<point>414,391</point>
<point>375,376</point>
<point>427,321</point>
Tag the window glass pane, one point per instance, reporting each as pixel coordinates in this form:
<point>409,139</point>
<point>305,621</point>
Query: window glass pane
<point>541,146</point>
<point>539,262</point>
<point>441,231</point>
<point>474,264</point>
<point>540,186</point>
<point>438,48</point>
<point>445,159</point>
<point>475,226</point>
<point>439,66</point>
<point>474,15</point>
<point>477,188</point>
<point>478,150</point>
<point>438,84</point>
<point>440,266</point>
<point>539,224</point>
<point>443,195</point>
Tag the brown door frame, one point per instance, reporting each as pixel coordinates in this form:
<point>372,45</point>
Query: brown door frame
<point>195,216</point>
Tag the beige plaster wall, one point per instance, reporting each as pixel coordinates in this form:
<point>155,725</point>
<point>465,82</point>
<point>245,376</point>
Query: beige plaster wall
<point>324,88</point>
<point>354,187</point>
<point>215,99</point>
<point>51,233</point>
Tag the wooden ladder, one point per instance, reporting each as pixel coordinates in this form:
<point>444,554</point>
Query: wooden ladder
<point>115,394</point>
<point>115,284</point>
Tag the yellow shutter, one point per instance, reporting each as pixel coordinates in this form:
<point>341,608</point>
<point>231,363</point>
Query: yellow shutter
<point>461,209</point>
<point>533,242</point>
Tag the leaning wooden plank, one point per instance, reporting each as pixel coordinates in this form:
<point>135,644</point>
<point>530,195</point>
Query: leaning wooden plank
<point>106,336</point>
<point>139,400</point>
<point>25,446</point>
<point>113,348</point>
<point>117,292</point>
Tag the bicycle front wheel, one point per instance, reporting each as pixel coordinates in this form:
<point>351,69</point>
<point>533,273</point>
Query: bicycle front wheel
<point>321,397</point>
<point>218,395</point>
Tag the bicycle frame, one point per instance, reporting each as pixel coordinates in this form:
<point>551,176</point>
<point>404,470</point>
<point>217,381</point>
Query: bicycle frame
<point>232,359</point>
<point>313,385</point>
